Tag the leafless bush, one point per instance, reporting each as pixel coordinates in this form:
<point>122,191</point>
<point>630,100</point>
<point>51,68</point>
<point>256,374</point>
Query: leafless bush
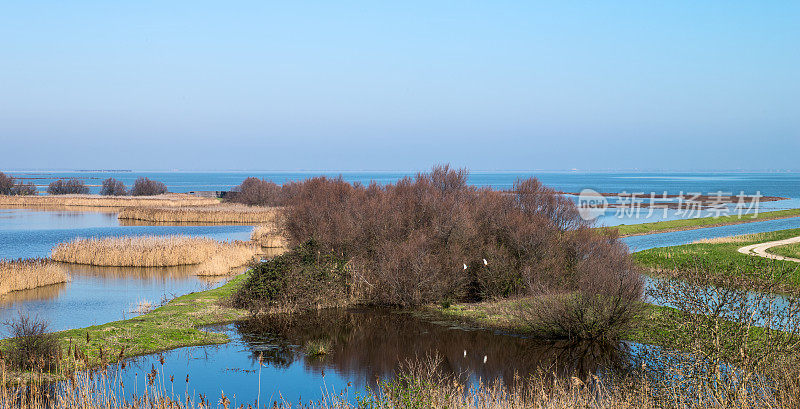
<point>113,187</point>
<point>256,192</point>
<point>11,187</point>
<point>67,187</point>
<point>147,187</point>
<point>434,237</point>
<point>31,345</point>
<point>724,340</point>
<point>6,184</point>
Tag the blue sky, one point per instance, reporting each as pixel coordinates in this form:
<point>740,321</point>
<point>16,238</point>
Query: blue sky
<point>400,85</point>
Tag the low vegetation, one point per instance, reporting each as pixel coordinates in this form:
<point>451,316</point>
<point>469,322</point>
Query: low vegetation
<point>156,251</point>
<point>24,274</point>
<point>31,345</point>
<point>788,250</point>
<point>219,213</point>
<point>699,223</point>
<point>71,186</point>
<point>305,278</point>
<point>108,202</point>
<point>722,261</point>
<point>113,187</point>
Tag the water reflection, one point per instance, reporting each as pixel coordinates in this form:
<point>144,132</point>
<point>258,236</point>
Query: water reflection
<point>365,345</point>
<point>372,344</point>
<point>44,293</point>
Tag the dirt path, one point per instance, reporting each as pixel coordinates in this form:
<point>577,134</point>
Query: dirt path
<point>760,249</point>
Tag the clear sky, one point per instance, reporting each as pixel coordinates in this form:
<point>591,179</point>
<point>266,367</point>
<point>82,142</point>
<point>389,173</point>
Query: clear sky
<point>354,85</point>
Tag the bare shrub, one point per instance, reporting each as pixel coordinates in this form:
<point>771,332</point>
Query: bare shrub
<point>31,345</point>
<point>434,238</point>
<point>24,189</point>
<point>256,192</point>
<point>6,184</point>
<point>725,341</point>
<point>113,187</point>
<point>67,187</point>
<point>146,187</point>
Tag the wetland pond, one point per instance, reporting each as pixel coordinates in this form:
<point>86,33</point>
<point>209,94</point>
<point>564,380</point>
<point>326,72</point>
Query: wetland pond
<point>363,346</point>
<point>95,295</point>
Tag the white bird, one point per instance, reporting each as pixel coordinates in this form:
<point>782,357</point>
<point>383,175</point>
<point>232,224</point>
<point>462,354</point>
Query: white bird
<point>484,359</point>
<point>465,353</point>
<point>485,263</point>
<point>465,266</point>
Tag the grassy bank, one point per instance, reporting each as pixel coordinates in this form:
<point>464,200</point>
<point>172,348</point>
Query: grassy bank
<point>97,201</point>
<point>25,274</point>
<point>789,250</point>
<point>720,257</point>
<point>219,213</point>
<point>156,251</point>
<point>699,223</point>
<point>171,326</point>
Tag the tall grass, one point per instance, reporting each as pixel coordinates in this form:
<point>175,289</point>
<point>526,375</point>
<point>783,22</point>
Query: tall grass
<point>24,274</point>
<point>227,213</point>
<point>268,236</point>
<point>420,384</point>
<point>155,251</point>
<point>60,201</point>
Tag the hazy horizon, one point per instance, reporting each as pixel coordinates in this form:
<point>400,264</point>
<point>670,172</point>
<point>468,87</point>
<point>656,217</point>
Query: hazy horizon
<point>547,86</point>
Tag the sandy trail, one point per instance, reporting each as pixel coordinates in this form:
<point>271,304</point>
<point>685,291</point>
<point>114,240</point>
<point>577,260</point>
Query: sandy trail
<point>760,249</point>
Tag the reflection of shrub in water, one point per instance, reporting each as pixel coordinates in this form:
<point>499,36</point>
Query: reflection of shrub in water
<point>374,343</point>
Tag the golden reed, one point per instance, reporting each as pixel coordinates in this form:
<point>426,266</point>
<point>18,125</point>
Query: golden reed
<point>104,389</point>
<point>25,274</point>
<point>156,251</point>
<point>268,236</point>
<point>97,201</point>
<point>220,213</point>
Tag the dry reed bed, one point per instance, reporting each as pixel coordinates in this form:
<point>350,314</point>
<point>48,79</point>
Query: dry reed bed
<point>744,238</point>
<point>165,200</point>
<point>104,389</point>
<point>156,251</point>
<point>25,274</point>
<point>227,213</point>
<point>268,236</point>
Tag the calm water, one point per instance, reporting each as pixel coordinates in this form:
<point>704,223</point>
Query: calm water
<point>365,346</point>
<point>95,295</point>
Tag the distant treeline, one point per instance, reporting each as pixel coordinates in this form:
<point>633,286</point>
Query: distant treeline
<point>111,187</point>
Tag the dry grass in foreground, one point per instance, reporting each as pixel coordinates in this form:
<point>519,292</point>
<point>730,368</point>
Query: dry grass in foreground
<point>414,388</point>
<point>744,238</point>
<point>97,201</point>
<point>25,274</point>
<point>156,251</point>
<point>226,213</point>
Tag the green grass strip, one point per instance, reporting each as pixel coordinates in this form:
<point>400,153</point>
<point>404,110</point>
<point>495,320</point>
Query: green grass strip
<point>699,223</point>
<point>171,326</point>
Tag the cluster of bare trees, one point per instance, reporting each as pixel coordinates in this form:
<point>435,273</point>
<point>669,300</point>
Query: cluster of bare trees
<point>434,238</point>
<point>11,186</point>
<point>67,187</point>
